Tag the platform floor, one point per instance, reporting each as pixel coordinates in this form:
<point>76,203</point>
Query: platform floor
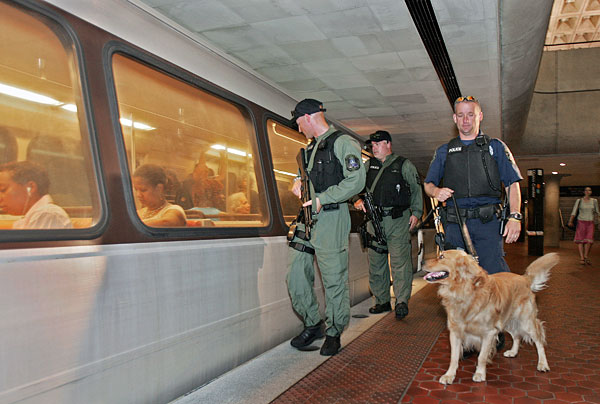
<point>388,361</point>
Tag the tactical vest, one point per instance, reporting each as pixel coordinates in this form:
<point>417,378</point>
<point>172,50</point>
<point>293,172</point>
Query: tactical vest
<point>391,189</point>
<point>471,171</point>
<point>327,169</point>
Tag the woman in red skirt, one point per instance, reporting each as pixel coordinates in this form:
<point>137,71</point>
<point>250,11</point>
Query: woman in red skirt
<point>587,212</point>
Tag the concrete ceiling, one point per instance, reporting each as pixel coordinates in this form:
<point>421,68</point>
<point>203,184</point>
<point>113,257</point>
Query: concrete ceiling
<point>574,24</point>
<point>366,61</point>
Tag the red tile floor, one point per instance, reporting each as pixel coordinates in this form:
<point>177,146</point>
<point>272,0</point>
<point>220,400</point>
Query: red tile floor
<point>401,361</point>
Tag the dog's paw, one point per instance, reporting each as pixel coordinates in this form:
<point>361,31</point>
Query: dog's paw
<point>447,379</point>
<point>479,377</point>
<point>543,367</point>
<point>509,354</point>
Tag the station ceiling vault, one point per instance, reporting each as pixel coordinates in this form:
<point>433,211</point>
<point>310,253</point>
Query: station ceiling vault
<point>367,62</point>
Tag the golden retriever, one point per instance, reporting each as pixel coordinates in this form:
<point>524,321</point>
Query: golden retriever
<point>479,306</point>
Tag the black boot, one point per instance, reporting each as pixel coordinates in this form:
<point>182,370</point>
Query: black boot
<point>401,310</point>
<point>331,346</point>
<point>380,308</point>
<point>308,335</point>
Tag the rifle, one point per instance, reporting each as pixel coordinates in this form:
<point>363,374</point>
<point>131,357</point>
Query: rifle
<point>305,216</point>
<point>374,214</point>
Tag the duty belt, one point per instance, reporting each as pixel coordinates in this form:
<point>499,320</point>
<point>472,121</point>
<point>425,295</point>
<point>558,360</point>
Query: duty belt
<point>388,212</point>
<point>485,213</point>
<point>331,206</point>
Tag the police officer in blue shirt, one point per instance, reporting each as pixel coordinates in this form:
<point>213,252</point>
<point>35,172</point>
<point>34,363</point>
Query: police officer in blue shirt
<point>473,167</point>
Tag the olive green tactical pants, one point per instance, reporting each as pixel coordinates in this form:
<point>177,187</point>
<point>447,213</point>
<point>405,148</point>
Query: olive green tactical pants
<point>329,238</point>
<point>398,244</point>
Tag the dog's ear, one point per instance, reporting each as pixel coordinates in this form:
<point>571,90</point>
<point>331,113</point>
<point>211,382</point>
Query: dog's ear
<point>461,270</point>
<point>478,280</point>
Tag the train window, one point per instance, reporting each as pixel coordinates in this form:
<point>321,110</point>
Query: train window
<point>190,153</point>
<point>285,145</point>
<point>47,179</point>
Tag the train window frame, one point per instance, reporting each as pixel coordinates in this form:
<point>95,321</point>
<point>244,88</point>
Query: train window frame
<point>67,36</point>
<point>284,122</point>
<point>115,47</point>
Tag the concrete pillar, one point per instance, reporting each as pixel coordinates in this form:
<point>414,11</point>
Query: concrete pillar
<point>552,229</point>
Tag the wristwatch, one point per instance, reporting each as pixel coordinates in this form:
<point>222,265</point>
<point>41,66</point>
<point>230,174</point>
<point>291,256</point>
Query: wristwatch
<point>516,215</point>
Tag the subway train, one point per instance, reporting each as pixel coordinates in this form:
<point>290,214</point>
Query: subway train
<point>111,309</point>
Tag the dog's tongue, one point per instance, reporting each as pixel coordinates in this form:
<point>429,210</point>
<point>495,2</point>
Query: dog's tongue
<point>433,275</point>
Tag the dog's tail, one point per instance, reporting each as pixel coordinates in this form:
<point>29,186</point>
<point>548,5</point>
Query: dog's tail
<point>538,271</point>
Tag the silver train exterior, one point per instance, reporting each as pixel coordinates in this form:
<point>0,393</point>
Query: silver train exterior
<point>119,315</point>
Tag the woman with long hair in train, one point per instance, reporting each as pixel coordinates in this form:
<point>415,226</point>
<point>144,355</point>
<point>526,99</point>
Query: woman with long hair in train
<point>587,212</point>
<point>149,183</point>
<point>24,192</point>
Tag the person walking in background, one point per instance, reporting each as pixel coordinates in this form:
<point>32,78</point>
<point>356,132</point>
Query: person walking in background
<point>396,188</point>
<point>587,213</point>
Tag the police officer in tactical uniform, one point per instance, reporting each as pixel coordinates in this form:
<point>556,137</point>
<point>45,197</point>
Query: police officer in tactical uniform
<point>336,174</point>
<point>473,167</point>
<point>394,183</point>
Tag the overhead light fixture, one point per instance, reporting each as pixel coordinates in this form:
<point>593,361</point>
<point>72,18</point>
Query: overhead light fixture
<point>284,173</point>
<point>274,126</point>
<point>137,125</point>
<point>562,164</point>
<point>27,95</point>
<point>69,107</point>
<point>554,172</point>
<point>230,150</point>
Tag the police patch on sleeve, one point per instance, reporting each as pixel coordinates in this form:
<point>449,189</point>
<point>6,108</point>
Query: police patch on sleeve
<point>352,163</point>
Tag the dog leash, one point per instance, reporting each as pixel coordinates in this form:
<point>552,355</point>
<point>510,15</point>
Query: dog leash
<point>440,236</point>
<point>465,233</point>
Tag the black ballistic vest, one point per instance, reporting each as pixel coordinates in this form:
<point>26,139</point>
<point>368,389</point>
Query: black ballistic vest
<point>391,189</point>
<point>471,171</point>
<point>327,169</point>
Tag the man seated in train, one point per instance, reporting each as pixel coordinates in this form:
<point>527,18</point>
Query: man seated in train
<point>206,191</point>
<point>24,192</point>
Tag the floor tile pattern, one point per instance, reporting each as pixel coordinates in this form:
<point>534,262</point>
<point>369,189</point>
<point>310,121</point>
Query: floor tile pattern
<point>379,365</point>
<point>570,307</point>
<point>401,361</point>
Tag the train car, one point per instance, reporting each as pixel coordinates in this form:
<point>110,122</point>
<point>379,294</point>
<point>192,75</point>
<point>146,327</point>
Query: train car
<point>107,304</point>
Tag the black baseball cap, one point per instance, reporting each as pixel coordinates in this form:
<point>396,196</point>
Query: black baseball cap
<point>379,136</point>
<point>306,106</point>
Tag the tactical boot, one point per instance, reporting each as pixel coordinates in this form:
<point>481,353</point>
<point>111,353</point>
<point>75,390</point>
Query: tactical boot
<point>331,346</point>
<point>308,335</point>
<point>401,310</point>
<point>380,308</point>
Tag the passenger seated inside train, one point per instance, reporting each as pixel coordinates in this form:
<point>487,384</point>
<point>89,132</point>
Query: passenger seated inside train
<point>175,192</point>
<point>206,191</point>
<point>24,190</point>
<point>238,201</point>
<point>149,184</point>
